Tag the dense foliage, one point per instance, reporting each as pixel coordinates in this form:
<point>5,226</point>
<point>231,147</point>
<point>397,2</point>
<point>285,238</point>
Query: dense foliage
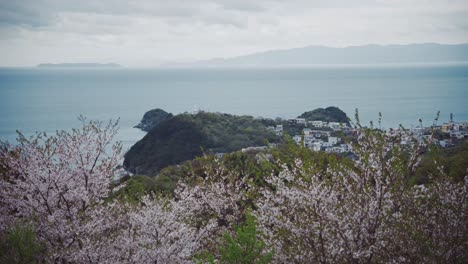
<point>329,114</point>
<point>19,245</point>
<point>187,136</point>
<point>309,207</point>
<point>242,247</point>
<point>453,161</point>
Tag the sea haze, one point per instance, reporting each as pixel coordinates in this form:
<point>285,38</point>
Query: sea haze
<point>33,99</point>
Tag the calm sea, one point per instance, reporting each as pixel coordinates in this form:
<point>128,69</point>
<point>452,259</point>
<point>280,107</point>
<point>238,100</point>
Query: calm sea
<point>50,99</point>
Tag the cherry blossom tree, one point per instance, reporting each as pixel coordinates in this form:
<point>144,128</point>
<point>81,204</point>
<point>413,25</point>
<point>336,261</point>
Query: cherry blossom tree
<point>364,213</point>
<point>61,182</point>
<point>219,193</point>
<point>435,221</point>
<point>161,232</point>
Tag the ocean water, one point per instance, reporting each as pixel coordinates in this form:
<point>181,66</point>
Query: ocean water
<point>51,99</point>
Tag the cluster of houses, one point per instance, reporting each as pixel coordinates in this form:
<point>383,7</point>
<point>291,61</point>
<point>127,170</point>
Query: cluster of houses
<point>335,126</point>
<point>456,130</point>
<point>319,140</point>
<point>318,135</point>
<point>446,135</point>
<point>315,136</point>
<point>316,123</point>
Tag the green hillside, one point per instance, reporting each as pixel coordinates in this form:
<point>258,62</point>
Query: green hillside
<point>329,114</point>
<point>186,136</point>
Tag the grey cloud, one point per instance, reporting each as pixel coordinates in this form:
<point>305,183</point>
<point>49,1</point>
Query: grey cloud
<point>244,5</point>
<point>142,30</point>
<point>24,13</point>
<point>37,13</point>
<point>44,12</point>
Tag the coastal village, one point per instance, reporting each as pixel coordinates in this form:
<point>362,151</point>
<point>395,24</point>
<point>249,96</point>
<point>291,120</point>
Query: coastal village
<point>448,134</point>
<point>328,136</point>
<point>317,135</point>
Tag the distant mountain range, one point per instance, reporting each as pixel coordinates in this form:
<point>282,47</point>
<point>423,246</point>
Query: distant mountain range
<point>79,65</point>
<point>367,54</point>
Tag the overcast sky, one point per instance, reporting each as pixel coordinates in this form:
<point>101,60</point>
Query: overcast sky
<point>150,32</point>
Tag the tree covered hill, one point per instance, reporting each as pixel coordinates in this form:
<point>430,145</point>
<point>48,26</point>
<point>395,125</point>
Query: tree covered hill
<point>329,114</point>
<point>186,136</point>
<point>152,118</point>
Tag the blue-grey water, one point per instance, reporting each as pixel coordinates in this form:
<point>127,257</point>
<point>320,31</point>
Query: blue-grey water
<point>51,99</point>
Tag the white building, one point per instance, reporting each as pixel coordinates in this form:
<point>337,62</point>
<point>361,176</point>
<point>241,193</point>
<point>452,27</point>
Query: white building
<point>345,147</point>
<point>335,125</point>
<point>250,149</point>
<point>443,143</point>
<point>297,139</point>
<point>333,140</point>
<point>457,135</point>
<point>300,121</point>
<point>316,146</point>
<point>318,123</point>
<point>334,150</point>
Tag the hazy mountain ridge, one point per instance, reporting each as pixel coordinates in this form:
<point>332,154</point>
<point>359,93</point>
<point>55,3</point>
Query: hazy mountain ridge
<point>366,54</point>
